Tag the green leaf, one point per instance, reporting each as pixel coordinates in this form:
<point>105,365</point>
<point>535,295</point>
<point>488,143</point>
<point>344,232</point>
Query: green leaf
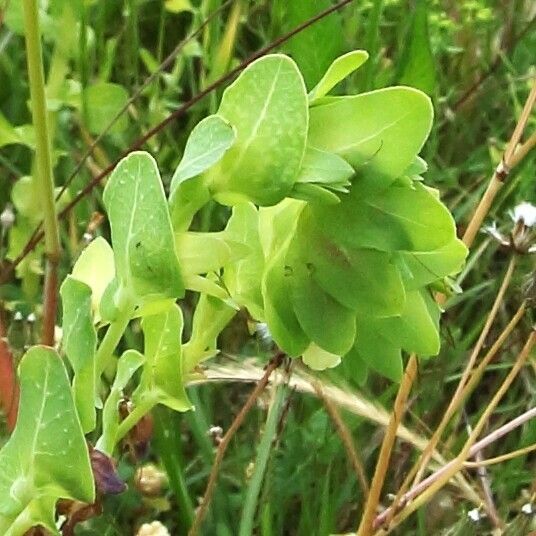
<point>242,276</point>
<point>80,342</point>
<point>10,134</point>
<point>210,317</point>
<point>312,193</point>
<point>277,225</point>
<point>96,268</point>
<point>177,6</point>
<point>104,101</point>
<point>144,247</point>
<point>376,350</point>
<point>363,280</point>
<point>278,311</point>
<point>328,323</point>
<point>384,129</point>
<point>208,142</point>
<point>340,68</point>
<point>318,359</point>
<point>162,377</point>
<point>317,46</point>
<point>127,365</point>
<point>396,218</point>
<point>267,105</point>
<point>46,457</point>
<point>325,169</point>
<point>417,65</point>
<point>415,330</point>
<point>425,267</point>
<point>200,253</point>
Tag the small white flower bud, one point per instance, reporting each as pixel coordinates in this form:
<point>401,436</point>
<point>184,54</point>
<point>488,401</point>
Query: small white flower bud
<point>7,218</point>
<point>527,509</point>
<point>474,515</point>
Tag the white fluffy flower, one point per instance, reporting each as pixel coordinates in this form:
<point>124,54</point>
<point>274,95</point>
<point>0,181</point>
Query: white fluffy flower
<point>474,515</point>
<point>525,212</point>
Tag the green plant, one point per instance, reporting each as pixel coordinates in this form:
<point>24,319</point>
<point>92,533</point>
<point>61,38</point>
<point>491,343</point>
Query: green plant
<point>333,241</point>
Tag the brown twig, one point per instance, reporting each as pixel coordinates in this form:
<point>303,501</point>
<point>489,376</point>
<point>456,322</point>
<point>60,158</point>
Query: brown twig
<point>458,397</point>
<point>346,438</point>
<point>500,175</point>
<point>37,235</point>
<point>222,447</point>
<point>422,492</point>
<point>366,525</point>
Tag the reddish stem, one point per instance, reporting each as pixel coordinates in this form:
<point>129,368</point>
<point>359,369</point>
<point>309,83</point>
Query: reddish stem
<point>9,387</point>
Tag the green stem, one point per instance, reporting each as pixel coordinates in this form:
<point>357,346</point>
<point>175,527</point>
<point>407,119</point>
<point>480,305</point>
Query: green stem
<point>39,113</point>
<point>111,340</point>
<point>167,441</point>
<point>133,418</point>
<point>43,169</point>
<point>263,453</point>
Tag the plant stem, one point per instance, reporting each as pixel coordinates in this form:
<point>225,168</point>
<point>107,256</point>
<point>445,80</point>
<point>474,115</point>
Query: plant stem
<point>502,171</point>
<point>346,438</point>
<point>139,411</point>
<point>43,172</point>
<point>428,487</point>
<point>467,390</point>
<point>235,425</point>
<point>365,527</point>
<point>111,340</point>
<point>167,440</point>
<point>371,39</point>
<point>457,398</point>
<point>263,453</point>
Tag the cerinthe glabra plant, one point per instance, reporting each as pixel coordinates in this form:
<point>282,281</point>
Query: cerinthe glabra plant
<point>334,242</point>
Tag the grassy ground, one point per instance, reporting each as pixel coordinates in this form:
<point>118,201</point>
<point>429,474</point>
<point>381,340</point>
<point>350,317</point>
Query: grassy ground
<point>476,60</point>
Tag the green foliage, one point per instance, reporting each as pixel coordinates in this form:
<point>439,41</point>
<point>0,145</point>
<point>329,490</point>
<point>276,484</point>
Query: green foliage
<point>161,381</point>
<point>79,343</point>
<point>46,458</point>
<point>127,365</point>
<point>267,105</point>
<point>417,65</point>
<point>103,102</point>
<point>147,268</point>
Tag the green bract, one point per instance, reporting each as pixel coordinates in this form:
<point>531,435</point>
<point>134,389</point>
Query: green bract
<point>46,458</point>
<point>146,265</point>
<point>347,273</point>
<point>267,105</point>
<point>79,343</point>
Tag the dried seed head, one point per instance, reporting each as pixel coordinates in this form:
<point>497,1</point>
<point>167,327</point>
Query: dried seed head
<point>524,213</point>
<point>153,529</point>
<point>150,480</point>
<point>216,433</point>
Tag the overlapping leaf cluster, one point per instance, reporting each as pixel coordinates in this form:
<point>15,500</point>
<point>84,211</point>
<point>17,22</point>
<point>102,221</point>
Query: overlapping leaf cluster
<point>348,240</point>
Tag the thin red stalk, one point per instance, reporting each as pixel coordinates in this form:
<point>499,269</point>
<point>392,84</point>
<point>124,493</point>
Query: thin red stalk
<point>37,236</point>
<point>9,387</point>
<point>226,440</point>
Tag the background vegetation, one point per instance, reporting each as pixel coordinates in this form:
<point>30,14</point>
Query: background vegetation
<point>475,58</point>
